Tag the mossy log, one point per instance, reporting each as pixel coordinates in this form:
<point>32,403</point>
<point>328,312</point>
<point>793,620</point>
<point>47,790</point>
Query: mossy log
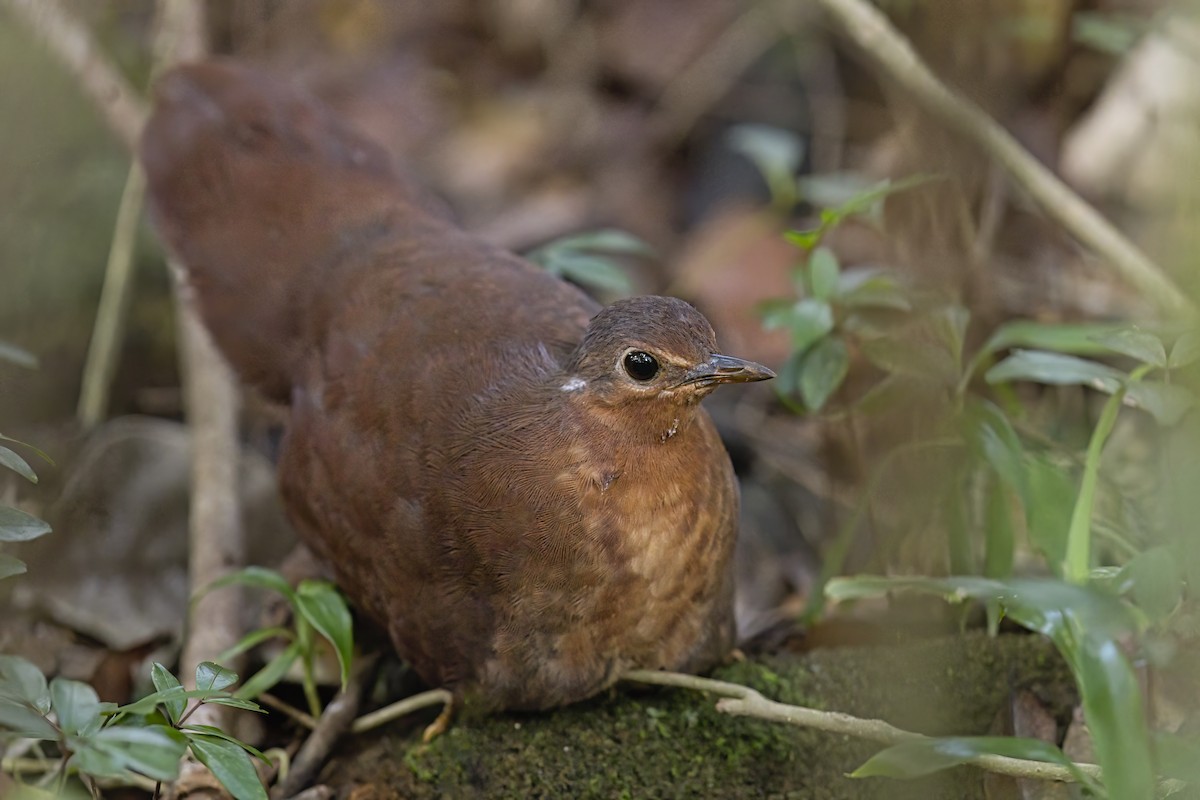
<point>636,742</point>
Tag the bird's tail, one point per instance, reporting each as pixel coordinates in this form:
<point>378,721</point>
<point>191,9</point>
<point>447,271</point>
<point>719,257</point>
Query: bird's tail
<point>265,198</point>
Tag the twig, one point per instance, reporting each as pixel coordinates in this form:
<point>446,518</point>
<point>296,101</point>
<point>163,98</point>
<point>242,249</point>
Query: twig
<point>287,710</point>
<point>888,50</point>
<point>16,766</point>
<point>114,301</point>
<point>743,701</point>
<point>123,109</point>
<point>402,708</point>
<point>335,720</point>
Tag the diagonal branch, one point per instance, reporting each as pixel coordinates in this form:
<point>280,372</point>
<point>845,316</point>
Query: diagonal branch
<point>887,50</point>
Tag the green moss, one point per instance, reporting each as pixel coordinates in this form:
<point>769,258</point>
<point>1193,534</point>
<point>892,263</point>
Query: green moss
<point>638,742</point>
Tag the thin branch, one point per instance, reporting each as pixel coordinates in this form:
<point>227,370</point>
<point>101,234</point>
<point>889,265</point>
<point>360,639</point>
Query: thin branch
<point>743,701</point>
<point>123,109</point>
<point>402,708</point>
<point>335,720</point>
<point>884,47</point>
<point>109,326</point>
<point>290,711</point>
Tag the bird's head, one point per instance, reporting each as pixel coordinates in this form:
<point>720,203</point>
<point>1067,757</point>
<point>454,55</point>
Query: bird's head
<point>652,349</point>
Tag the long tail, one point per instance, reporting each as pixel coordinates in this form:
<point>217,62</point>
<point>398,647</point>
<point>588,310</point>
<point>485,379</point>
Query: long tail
<point>266,198</point>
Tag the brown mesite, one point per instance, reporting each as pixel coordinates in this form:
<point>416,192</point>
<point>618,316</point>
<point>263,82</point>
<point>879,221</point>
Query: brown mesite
<point>519,485</point>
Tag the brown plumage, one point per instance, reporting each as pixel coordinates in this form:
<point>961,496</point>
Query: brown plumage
<point>518,485</point>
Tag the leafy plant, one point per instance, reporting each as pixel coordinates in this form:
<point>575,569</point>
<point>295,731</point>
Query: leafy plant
<point>16,525</point>
<point>591,259</point>
<point>316,606</point>
<point>146,738</point>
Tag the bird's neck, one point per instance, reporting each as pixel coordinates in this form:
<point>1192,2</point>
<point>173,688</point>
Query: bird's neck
<point>648,423</point>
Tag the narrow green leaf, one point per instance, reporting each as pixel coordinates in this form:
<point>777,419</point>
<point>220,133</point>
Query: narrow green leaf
<point>75,703</point>
<point>230,764</point>
<point>1055,369</point>
<point>823,271</point>
<point>270,674</point>
<point>871,288</point>
<point>17,464</point>
<point>21,680</point>
<point>1052,498</point>
<point>150,702</point>
<point>805,240</point>
<point>252,640</point>
<point>17,526</point>
<point>606,240</point>
<point>10,566</point>
<point>258,577</point>
<point>236,702</point>
<point>323,606</point>
<point>214,676</point>
<point>165,681</point>
<point>822,371</point>
<point>1135,343</point>
<point>1070,338</point>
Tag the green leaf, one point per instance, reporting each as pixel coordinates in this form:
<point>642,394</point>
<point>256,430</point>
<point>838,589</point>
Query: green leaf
<point>22,681</point>
<point>867,287</point>
<point>823,271</point>
<point>776,152</point>
<point>822,371</point>
<point>20,718</point>
<point>10,566</point>
<point>17,526</point>
<point>75,703</point>
<point>153,751</point>
<point>1166,402</point>
<point>17,355</point>
<point>805,240</point>
<point>1135,343</point>
<point>1074,339</point>
<point>271,673</point>
<point>209,730</point>
<point>252,640</point>
<point>1185,351</point>
<point>323,606</point>
<point>812,319</point>
<point>1086,626</point>
<point>923,756</point>
<point>230,764</point>
<point>258,577</point>
<point>165,681</point>
<point>991,436</point>
<point>214,676</point>
<point>606,240</point>
<point>150,702</point>
<point>17,464</point>
<point>1055,369</point>
<point>597,272</point>
<point>236,702</point>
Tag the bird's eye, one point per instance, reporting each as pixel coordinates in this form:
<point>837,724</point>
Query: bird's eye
<point>641,366</point>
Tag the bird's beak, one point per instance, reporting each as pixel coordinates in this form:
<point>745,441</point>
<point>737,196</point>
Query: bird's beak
<point>725,369</point>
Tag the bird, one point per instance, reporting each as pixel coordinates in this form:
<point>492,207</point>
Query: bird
<point>518,484</point>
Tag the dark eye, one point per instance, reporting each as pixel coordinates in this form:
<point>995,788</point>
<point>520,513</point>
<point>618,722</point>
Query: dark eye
<point>641,366</point>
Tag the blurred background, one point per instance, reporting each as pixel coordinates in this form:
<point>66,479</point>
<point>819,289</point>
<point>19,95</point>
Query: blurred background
<point>705,131</point>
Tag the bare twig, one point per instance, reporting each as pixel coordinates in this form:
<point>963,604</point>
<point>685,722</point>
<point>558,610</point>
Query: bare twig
<point>123,109</point>
<point>743,701</point>
<point>290,711</point>
<point>888,50</point>
<point>335,721</point>
<point>402,708</point>
<point>107,331</point>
